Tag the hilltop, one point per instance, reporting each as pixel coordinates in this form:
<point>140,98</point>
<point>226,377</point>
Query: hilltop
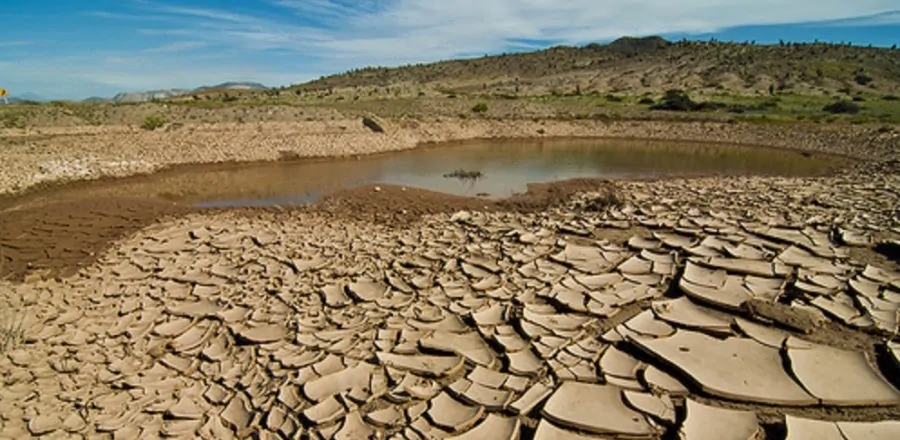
<point>645,65</point>
<point>171,93</point>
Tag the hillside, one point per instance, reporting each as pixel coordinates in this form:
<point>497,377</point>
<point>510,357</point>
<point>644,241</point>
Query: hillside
<point>645,65</point>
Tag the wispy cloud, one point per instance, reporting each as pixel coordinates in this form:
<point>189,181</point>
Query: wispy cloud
<point>886,19</point>
<point>15,43</point>
<point>177,46</point>
<point>375,31</point>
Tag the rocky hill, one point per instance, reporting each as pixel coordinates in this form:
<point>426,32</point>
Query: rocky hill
<point>171,93</point>
<point>645,65</point>
<point>233,86</point>
<point>148,95</point>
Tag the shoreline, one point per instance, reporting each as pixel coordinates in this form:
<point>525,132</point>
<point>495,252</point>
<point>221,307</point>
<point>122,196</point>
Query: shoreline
<point>112,152</point>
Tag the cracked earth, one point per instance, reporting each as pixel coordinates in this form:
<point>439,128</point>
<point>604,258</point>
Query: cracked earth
<point>739,308</point>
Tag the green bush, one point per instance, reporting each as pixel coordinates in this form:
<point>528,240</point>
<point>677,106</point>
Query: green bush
<point>842,107</point>
<point>153,122</point>
<point>480,108</point>
<point>675,100</point>
<point>862,79</point>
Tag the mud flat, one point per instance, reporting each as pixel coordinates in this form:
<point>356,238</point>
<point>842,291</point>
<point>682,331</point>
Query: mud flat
<point>727,307</point>
<point>700,308</point>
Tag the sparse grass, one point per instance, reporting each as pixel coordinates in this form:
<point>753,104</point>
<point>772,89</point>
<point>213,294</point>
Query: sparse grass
<point>481,107</point>
<point>11,332</point>
<point>14,117</point>
<point>153,122</point>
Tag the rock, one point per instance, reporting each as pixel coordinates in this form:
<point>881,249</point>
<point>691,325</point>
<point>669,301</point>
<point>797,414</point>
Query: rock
<point>461,217</point>
<point>374,123</point>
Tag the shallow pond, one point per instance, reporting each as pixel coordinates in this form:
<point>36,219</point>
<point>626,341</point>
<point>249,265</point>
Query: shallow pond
<point>505,167</point>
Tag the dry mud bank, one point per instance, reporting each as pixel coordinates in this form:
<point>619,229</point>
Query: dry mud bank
<point>727,308</point>
<point>59,154</point>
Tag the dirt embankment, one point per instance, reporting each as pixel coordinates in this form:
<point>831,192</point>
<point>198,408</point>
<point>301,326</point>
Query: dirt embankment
<point>62,154</point>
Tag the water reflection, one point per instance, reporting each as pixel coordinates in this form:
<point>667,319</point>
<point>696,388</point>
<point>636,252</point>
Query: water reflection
<point>507,166</point>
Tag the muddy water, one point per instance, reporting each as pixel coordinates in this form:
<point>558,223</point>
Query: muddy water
<point>506,168</point>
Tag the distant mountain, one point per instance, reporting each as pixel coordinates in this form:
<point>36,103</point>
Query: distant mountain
<point>95,99</point>
<point>26,97</point>
<point>148,96</point>
<point>233,86</point>
<point>171,93</point>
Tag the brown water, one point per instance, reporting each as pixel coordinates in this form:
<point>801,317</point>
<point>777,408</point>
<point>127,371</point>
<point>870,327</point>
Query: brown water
<point>506,166</point>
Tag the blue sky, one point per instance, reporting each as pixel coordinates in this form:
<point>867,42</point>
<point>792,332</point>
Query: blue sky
<point>79,48</point>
